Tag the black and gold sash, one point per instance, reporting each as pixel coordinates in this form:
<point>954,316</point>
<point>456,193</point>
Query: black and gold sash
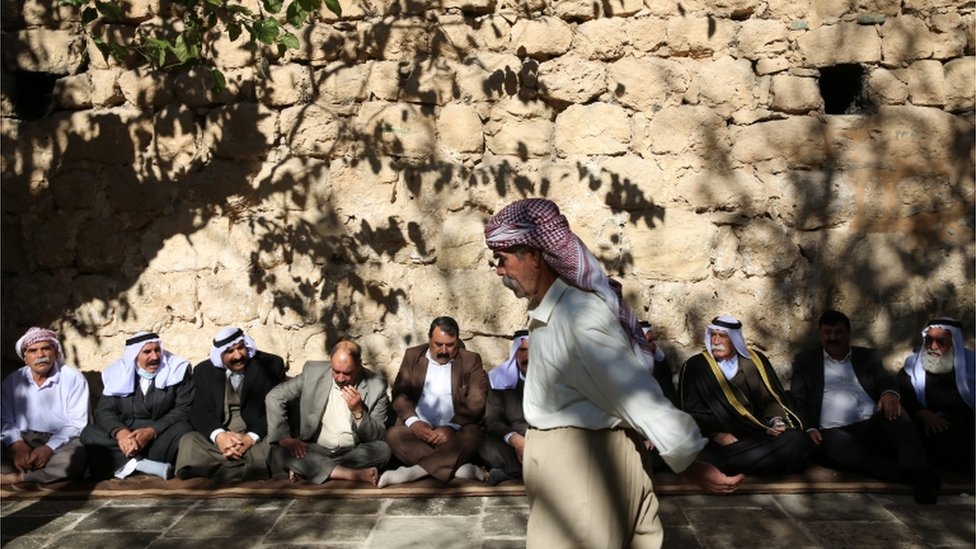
<point>792,422</point>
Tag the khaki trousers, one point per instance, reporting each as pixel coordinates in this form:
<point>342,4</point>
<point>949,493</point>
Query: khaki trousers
<point>588,489</point>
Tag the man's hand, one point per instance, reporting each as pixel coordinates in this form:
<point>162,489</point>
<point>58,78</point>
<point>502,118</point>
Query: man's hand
<point>517,441</point>
<point>423,431</point>
<point>354,400</point>
<point>815,436</point>
<point>230,445</point>
<point>295,447</point>
<point>22,455</point>
<point>127,442</point>
<point>40,456</point>
<point>934,423</point>
<point>724,439</point>
<point>711,479</point>
<point>144,436</point>
<point>890,405</point>
<point>777,427</point>
<point>441,435</point>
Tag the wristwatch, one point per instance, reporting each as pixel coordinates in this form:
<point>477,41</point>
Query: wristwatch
<point>357,416</point>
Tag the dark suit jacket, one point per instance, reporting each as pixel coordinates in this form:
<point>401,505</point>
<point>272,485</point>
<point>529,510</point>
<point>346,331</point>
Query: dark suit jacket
<point>261,373</point>
<point>312,388</point>
<point>166,407</point>
<point>504,413</point>
<point>469,385</point>
<point>808,380</point>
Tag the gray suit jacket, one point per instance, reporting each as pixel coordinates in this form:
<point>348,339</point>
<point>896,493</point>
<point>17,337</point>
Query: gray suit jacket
<point>312,387</point>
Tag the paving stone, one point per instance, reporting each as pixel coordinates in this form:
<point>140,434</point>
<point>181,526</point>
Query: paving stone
<point>941,525</point>
<point>505,522</point>
<point>296,528</point>
<point>244,504</point>
<point>866,535</point>
<point>435,506</point>
<point>16,526</point>
<point>25,542</point>
<point>223,523</point>
<point>506,501</point>
<point>52,508</point>
<point>503,544</point>
<point>146,502</point>
<point>128,519</point>
<point>706,500</point>
<point>748,527</point>
<point>337,506</point>
<point>91,540</point>
<point>680,537</point>
<point>824,507</point>
<point>450,532</point>
<point>671,514</point>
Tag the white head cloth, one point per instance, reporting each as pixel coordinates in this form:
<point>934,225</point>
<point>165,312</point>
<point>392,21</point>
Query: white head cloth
<point>506,375</point>
<point>964,362</point>
<point>728,325</point>
<point>119,377</point>
<point>36,335</point>
<point>226,338</point>
<point>645,327</point>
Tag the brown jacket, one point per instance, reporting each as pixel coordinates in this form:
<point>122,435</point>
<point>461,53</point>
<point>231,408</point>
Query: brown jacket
<point>469,385</point>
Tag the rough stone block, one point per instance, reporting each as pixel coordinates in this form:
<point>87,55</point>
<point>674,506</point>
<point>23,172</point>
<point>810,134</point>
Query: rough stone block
<point>798,141</point>
<point>926,83</point>
<point>728,84</point>
<point>699,36</point>
<point>794,94</point>
<point>146,88</point>
<point>176,134</point>
<point>568,79</point>
<point>339,83</point>
<point>463,36</point>
<point>469,6</point>
<point>647,84</point>
<point>690,240</point>
<point>679,130</point>
<point>762,38</point>
<point>489,76</point>
<point>395,38</point>
<point>766,249</point>
<point>104,88</point>
<point>601,39</point>
<point>398,129</point>
<point>599,128</point>
<point>430,81</point>
<point>43,50</point>
<point>73,92</point>
<point>904,40</point>
<point>518,137</point>
<point>459,129</point>
<point>576,10</point>
<point>541,38</point>
<point>382,81</point>
<point>840,43</point>
<point>960,84</point>
<point>241,130</point>
<point>110,136</point>
<point>885,87</point>
<point>311,130</point>
<point>285,85</point>
<point>461,242</point>
<point>647,34</point>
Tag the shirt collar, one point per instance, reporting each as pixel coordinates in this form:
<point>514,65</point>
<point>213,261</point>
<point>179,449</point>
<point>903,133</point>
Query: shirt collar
<point>543,311</point>
<point>51,379</point>
<point>845,360</point>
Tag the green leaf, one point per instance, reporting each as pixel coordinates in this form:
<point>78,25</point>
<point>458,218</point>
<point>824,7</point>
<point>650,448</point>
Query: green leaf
<point>220,83</point>
<point>266,30</point>
<point>296,15</point>
<point>334,7</point>
<point>233,31</point>
<point>180,49</point>
<point>88,15</point>
<point>74,3</point>
<point>274,6</point>
<point>156,49</point>
<point>289,41</point>
<point>217,3</point>
<point>110,10</point>
<point>310,5</point>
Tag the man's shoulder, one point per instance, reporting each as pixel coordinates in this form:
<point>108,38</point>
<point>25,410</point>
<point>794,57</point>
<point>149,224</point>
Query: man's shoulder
<point>268,358</point>
<point>813,354</point>
<point>374,379</point>
<point>71,373</point>
<point>15,376</point>
<point>467,356</point>
<point>865,355</point>
<point>695,361</point>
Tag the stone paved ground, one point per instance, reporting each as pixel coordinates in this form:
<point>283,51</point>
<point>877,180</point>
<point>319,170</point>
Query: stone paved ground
<point>748,521</point>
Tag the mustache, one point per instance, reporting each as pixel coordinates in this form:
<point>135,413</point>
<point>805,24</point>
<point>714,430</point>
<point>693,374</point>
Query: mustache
<point>443,355</point>
<point>720,347</point>
<point>934,352</point>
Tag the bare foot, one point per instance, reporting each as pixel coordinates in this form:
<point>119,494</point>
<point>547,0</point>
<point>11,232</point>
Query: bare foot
<point>370,475</point>
<point>294,477</point>
<point>11,478</point>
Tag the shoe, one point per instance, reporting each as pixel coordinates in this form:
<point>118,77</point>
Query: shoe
<point>127,469</point>
<point>925,486</point>
<point>496,476</point>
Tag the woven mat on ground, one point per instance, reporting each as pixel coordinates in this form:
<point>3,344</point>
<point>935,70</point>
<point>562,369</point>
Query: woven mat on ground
<point>814,479</point>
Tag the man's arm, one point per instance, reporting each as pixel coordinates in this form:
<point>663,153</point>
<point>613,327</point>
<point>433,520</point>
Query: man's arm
<point>405,389</point>
<point>204,417</point>
<point>276,401</point>
<point>476,385</point>
<point>9,432</point>
<point>74,399</point>
<point>182,402</point>
<point>373,425</point>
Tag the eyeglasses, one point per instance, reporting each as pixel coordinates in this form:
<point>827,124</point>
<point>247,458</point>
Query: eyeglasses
<point>942,342</point>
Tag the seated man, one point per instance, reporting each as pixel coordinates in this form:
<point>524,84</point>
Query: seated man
<point>228,412</point>
<point>738,402</point>
<point>342,409</point>
<point>937,387</point>
<point>851,406</point>
<point>142,413</point>
<point>43,409</point>
<point>662,368</point>
<point>439,397</point>
<point>504,441</point>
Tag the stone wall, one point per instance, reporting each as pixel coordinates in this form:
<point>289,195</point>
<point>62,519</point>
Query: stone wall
<point>345,195</point>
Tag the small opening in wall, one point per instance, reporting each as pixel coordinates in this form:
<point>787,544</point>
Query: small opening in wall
<point>841,89</point>
<point>30,93</point>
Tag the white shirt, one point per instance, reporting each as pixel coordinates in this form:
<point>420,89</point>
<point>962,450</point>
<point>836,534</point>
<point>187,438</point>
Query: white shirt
<point>59,406</point>
<point>436,405</point>
<point>844,400</point>
<point>585,373</point>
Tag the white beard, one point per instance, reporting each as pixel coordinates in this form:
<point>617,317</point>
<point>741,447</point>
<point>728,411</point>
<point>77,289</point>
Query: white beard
<point>938,363</point>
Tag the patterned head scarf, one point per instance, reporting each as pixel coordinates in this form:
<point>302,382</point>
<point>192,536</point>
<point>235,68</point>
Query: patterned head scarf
<point>119,377</point>
<point>227,338</point>
<point>537,223</point>
<point>964,362</point>
<point>36,335</point>
<point>506,375</point>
